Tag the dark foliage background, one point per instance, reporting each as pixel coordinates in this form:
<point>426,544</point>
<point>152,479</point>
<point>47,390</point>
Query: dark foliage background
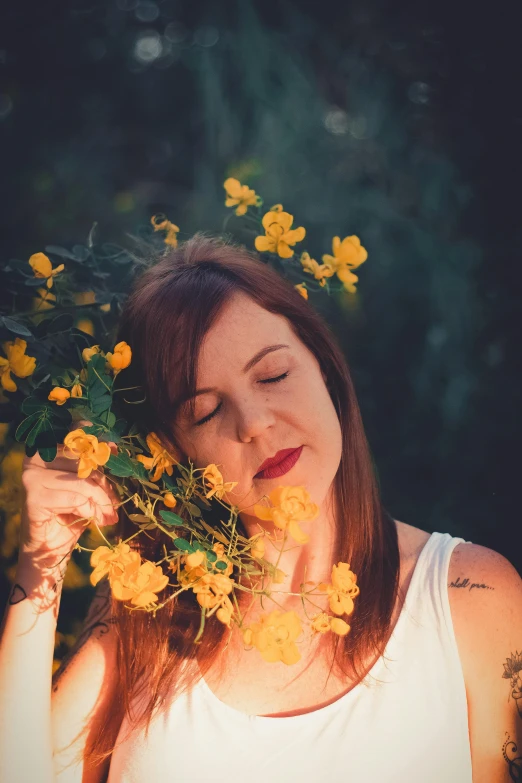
<point>399,122</point>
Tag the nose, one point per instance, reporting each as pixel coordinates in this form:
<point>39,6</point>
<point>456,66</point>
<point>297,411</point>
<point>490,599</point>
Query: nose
<point>253,420</point>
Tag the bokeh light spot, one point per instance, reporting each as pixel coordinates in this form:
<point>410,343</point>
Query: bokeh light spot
<point>148,46</point>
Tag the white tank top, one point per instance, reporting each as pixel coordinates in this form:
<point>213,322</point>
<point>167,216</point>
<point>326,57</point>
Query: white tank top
<point>407,721</point>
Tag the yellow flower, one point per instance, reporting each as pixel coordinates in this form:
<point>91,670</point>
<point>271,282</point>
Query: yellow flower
<point>88,353</point>
<point>59,395</point>
<point>240,195</point>
<point>213,477</point>
<point>17,362</point>
<point>76,390</point>
<point>225,611</point>
<point>160,461</point>
<point>338,626</point>
<point>342,590</point>
<point>169,500</point>
<point>160,223</point>
<point>91,454</point>
<point>257,548</point>
<point>319,271</point>
<point>276,208</point>
<point>111,561</point>
<point>274,636</point>
<point>139,583</point>
<point>321,623</point>
<point>347,255</point>
<point>121,358</point>
<point>211,589</point>
<point>290,505</point>
<point>42,267</point>
<point>278,234</point>
<point>301,287</point>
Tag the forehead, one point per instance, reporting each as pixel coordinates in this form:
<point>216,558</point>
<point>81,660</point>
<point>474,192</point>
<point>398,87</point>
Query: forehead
<point>241,329</point>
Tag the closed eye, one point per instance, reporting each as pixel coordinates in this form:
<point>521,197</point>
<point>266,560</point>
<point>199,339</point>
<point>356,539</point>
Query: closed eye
<point>267,380</point>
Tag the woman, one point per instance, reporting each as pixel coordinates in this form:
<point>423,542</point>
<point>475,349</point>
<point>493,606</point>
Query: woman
<point>236,367</point>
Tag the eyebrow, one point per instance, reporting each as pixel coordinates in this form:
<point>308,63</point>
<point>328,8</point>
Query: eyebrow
<point>248,366</point>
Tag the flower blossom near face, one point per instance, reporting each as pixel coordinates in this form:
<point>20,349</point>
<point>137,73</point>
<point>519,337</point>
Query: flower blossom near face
<point>290,505</point>
<point>16,362</point>
<point>213,477</point>
<point>86,448</point>
<point>160,461</point>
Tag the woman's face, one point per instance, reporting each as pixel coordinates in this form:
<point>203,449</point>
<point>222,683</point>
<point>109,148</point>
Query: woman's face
<point>252,420</point>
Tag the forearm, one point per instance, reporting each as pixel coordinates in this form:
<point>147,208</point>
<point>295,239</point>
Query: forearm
<point>26,655</point>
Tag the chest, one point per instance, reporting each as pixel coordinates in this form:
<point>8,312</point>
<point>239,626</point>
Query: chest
<point>243,681</point>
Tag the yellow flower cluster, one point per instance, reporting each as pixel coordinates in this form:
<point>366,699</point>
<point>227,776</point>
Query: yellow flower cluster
<point>16,362</point>
<point>341,592</point>
<point>130,578</point>
<point>117,360</point>
<point>279,238</point>
<point>290,505</point>
<point>210,587</point>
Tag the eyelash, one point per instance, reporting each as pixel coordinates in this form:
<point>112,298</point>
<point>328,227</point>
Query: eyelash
<point>267,380</point>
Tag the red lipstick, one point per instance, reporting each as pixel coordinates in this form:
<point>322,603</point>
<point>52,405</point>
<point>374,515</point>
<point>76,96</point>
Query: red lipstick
<point>280,464</point>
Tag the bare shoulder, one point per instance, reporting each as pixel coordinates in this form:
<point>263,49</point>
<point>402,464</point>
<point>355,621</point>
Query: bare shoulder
<point>411,539</point>
<point>485,595</point>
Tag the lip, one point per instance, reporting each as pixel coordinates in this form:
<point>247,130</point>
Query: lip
<point>280,464</point>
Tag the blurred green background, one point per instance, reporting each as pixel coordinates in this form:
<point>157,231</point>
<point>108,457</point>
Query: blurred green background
<point>399,122</point>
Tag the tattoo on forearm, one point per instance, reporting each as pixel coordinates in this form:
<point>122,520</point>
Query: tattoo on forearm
<point>513,672</point>
<point>97,622</point>
<point>514,762</point>
<point>16,595</point>
<point>466,583</point>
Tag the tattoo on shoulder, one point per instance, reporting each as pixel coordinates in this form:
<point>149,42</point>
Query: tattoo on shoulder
<point>97,622</point>
<point>467,584</point>
<point>513,672</point>
<point>514,761</point>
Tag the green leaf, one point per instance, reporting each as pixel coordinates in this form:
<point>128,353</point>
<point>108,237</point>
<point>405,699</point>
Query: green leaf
<point>60,251</point>
<point>26,425</point>
<point>16,327</point>
<point>170,518</point>
<point>48,453</point>
<point>194,510</point>
<point>221,565</point>
<point>183,545</point>
<point>120,465</point>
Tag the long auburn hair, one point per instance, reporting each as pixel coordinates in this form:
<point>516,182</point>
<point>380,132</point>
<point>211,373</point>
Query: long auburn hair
<point>170,308</point>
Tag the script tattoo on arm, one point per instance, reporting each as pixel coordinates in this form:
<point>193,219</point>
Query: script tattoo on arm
<point>467,584</point>
<point>97,623</point>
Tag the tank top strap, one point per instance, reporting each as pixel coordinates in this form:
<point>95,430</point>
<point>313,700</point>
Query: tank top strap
<point>427,597</point>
